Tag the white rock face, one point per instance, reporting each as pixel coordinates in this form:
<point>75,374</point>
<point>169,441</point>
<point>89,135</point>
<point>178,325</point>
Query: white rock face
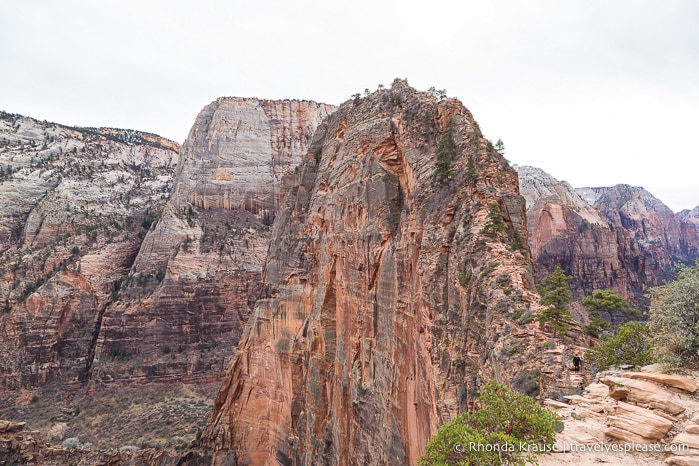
<point>197,274</point>
<point>238,149</point>
<point>690,217</point>
<point>72,201</point>
<point>538,186</point>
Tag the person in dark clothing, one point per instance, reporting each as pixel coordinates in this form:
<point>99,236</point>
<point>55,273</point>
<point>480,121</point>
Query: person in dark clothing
<point>576,362</point>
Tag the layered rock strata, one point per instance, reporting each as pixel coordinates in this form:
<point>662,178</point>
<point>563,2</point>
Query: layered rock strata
<point>662,236</point>
<point>74,204</point>
<point>619,238</point>
<point>397,266</point>
<point>653,414</point>
<point>196,276</point>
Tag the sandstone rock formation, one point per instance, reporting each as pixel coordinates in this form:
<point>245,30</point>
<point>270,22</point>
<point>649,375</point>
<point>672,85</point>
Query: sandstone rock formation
<point>690,217</point>
<point>624,420</point>
<point>196,276</point>
<point>661,236</point>
<point>619,238</point>
<point>73,203</point>
<point>389,295</point>
<point>565,229</point>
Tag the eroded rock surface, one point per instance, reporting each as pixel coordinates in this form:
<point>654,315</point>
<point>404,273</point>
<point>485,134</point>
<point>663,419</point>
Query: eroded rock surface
<point>390,296</point>
<point>619,238</point>
<point>73,203</point>
<point>619,411</point>
<point>197,274</point>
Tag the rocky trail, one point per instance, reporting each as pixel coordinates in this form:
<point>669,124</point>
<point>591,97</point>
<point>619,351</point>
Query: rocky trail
<point>629,418</point>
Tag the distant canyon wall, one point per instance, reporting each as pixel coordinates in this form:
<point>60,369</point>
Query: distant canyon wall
<point>125,260</point>
<point>620,238</point>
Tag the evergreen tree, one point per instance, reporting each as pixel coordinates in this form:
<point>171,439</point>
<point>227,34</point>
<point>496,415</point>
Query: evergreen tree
<point>603,306</point>
<point>506,419</point>
<point>674,318</point>
<point>500,147</point>
<point>631,345</point>
<point>446,152</point>
<point>556,295</point>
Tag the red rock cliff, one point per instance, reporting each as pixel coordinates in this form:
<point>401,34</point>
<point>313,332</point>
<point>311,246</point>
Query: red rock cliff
<point>72,202</point>
<point>619,238</point>
<point>389,294</point>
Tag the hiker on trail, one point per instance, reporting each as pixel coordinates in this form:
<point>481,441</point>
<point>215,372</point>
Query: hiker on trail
<point>576,362</point>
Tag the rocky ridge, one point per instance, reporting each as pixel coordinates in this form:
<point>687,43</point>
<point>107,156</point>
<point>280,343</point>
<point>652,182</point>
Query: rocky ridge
<point>390,294</point>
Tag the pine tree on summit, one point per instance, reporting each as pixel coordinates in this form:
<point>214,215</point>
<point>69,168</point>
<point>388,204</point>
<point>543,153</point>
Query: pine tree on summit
<point>556,295</point>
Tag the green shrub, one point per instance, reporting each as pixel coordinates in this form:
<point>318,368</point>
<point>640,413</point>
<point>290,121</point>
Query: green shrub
<point>631,345</point>
<point>674,319</point>
<point>489,269</point>
<point>506,421</point>
<point>503,279</point>
<point>513,348</point>
<point>463,279</point>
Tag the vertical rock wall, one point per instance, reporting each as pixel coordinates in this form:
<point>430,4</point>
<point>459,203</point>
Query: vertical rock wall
<point>619,238</point>
<point>196,276</point>
<point>390,296</point>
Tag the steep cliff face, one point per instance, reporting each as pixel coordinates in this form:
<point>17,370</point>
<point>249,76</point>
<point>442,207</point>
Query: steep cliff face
<point>689,219</point>
<point>390,295</point>
<point>565,229</point>
<point>658,232</point>
<point>619,238</point>
<point>196,276</point>
<point>73,201</point>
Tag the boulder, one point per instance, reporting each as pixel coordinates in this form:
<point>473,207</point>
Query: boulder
<point>555,404</point>
<point>9,426</point>
<point>643,393</point>
<point>596,390</point>
<point>683,460</point>
<point>671,380</point>
<point>636,421</point>
<point>685,438</point>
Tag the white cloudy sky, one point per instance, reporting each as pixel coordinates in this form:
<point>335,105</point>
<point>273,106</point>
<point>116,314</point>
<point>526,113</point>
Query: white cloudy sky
<point>596,92</point>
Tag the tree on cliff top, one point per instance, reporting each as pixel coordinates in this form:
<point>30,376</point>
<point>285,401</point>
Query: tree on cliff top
<point>495,433</point>
<point>556,295</point>
<point>674,318</point>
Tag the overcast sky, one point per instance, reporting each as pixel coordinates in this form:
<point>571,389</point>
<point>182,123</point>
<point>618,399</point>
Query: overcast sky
<point>596,92</point>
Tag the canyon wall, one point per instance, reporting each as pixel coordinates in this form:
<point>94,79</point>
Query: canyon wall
<point>196,276</point>
<point>619,238</point>
<point>118,269</point>
<point>397,269</point>
<point>73,203</point>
